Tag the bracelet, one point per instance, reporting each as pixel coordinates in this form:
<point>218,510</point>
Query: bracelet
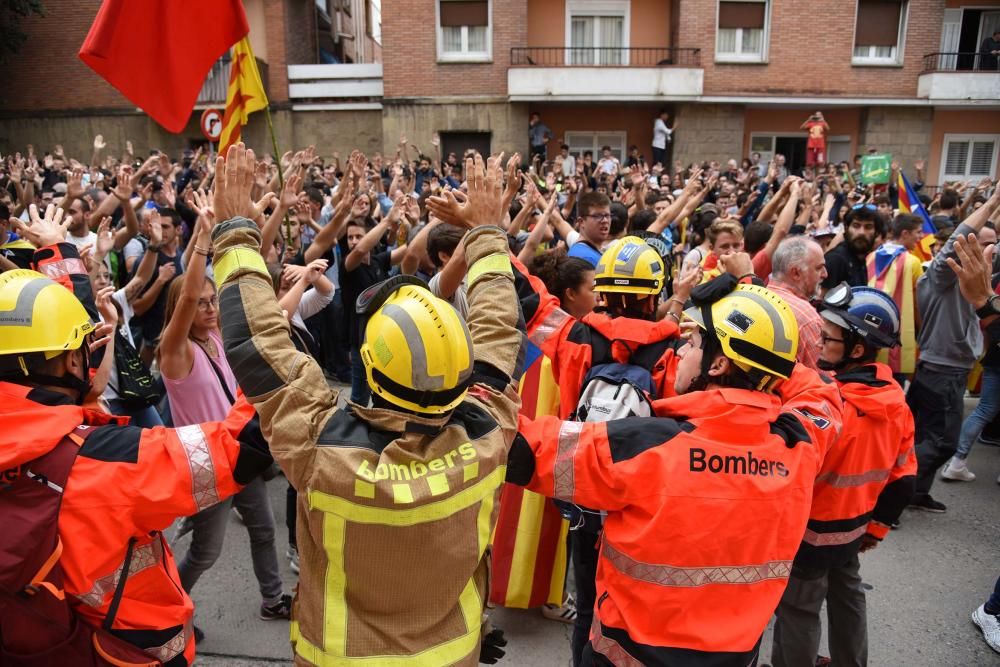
<point>201,251</point>
<point>677,301</point>
<point>746,275</point>
<point>675,316</point>
<point>152,248</point>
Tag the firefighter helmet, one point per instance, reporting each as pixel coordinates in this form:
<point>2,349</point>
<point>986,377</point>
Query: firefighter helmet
<point>630,266</point>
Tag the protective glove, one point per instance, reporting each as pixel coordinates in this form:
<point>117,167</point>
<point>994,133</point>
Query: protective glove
<point>491,649</point>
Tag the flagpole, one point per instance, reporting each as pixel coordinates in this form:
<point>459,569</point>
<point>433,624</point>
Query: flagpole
<point>281,175</point>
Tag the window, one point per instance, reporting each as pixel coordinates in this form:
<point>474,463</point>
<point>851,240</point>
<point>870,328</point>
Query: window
<point>375,20</point>
<point>579,142</point>
<point>464,30</point>
<point>597,32</point>
<point>969,156</point>
<point>878,32</point>
<point>742,34</point>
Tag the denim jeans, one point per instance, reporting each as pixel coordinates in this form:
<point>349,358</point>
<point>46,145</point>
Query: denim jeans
<point>146,417</point>
<point>360,391</point>
<point>935,397</point>
<point>993,604</point>
<point>985,412</point>
<point>209,533</point>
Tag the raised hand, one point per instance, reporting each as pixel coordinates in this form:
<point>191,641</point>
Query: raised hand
<point>315,270</point>
<point>973,269</point>
<point>105,237</point>
<point>290,193</point>
<point>483,205</point>
<point>99,142</point>
<point>74,185</point>
<point>47,230</point>
<point>233,184</point>
<point>106,306</point>
<point>123,190</point>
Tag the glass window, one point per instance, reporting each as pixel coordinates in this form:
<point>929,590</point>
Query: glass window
<point>464,30</point>
<point>878,31</point>
<point>742,29</point>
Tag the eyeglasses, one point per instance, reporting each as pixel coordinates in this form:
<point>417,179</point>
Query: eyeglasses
<point>598,217</point>
<point>204,304</point>
<point>827,339</point>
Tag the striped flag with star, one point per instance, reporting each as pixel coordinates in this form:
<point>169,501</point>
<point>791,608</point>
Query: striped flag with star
<point>245,95</point>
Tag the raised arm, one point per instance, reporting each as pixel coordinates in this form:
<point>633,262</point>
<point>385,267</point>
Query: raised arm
<point>174,351</point>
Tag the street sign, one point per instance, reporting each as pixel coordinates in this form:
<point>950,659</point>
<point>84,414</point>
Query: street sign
<point>875,169</point>
<point>211,124</point>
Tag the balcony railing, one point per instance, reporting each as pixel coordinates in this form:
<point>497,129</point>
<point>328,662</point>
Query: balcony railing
<point>596,56</point>
<point>959,62</point>
<point>216,83</point>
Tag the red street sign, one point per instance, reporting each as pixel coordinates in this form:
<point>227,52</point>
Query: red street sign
<point>211,124</point>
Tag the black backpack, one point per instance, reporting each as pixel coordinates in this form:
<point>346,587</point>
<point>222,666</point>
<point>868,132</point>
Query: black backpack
<point>136,387</point>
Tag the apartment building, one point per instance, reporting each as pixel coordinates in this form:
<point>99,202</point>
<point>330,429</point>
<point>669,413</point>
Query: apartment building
<point>737,76</point>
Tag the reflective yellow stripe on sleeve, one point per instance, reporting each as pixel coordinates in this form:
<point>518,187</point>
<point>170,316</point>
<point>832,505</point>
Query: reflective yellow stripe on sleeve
<point>496,263</point>
<point>238,258</point>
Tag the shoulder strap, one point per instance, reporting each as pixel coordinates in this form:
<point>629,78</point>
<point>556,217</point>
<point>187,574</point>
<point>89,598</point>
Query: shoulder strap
<point>116,601</point>
<point>218,374</point>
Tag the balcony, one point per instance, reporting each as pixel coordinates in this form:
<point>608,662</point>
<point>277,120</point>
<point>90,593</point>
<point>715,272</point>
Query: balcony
<point>560,73</point>
<point>958,77</point>
<point>335,87</point>
<point>216,86</point>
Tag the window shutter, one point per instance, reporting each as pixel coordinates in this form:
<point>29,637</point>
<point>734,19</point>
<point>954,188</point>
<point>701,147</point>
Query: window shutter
<point>878,23</point>
<point>956,157</point>
<point>982,158</point>
<point>741,15</point>
<point>464,12</point>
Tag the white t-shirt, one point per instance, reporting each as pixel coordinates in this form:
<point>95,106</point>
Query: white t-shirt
<point>661,133</point>
<point>569,165</point>
<point>80,241</point>
<point>458,299</point>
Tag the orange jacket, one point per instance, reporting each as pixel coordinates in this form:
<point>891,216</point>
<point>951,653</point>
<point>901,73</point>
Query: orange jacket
<point>574,346</point>
<point>868,475</point>
<point>125,483</point>
<point>706,505</point>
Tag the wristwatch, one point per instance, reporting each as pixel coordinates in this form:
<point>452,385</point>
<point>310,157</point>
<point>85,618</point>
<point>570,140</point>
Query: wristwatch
<point>990,308</point>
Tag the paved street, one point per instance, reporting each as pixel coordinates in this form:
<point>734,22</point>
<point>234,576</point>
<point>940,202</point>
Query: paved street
<point>925,580</point>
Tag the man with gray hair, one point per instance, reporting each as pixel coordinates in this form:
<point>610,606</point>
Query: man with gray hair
<point>797,268</point>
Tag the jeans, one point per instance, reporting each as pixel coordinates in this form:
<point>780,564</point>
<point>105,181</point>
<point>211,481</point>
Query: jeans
<point>360,391</point>
<point>583,551</point>
<point>993,604</point>
<point>987,409</point>
<point>798,628</point>
<point>660,156</point>
<point>209,532</point>
<point>146,417</point>
<point>935,398</point>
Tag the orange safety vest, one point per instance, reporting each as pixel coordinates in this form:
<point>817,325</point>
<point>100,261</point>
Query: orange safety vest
<point>126,485</point>
<point>867,476</point>
<point>706,505</point>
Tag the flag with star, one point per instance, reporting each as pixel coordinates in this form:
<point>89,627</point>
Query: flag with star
<point>245,95</point>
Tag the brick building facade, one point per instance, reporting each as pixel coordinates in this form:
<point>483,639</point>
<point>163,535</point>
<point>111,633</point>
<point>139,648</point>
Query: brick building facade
<point>738,76</point>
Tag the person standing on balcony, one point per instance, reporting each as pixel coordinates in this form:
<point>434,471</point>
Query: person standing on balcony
<point>989,50</point>
<point>662,137</point>
<point>538,135</point>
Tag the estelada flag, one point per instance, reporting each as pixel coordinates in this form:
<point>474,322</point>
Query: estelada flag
<point>910,203</point>
<point>157,53</point>
<point>529,542</point>
<point>245,95</point>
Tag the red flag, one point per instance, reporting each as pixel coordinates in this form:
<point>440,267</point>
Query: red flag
<point>158,52</point>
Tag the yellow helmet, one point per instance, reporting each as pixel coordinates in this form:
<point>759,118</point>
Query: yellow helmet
<point>417,350</point>
<point>38,316</point>
<point>630,266</point>
<point>754,328</point>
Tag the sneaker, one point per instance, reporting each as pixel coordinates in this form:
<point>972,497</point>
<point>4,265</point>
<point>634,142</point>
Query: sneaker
<point>957,471</point>
<point>565,613</point>
<point>282,609</point>
<point>991,442</point>
<point>238,514</point>
<point>894,525</point>
<point>928,504</point>
<point>293,558</point>
<point>990,625</point>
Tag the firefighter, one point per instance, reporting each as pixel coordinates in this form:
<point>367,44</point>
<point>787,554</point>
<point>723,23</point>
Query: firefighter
<point>866,480</point>
<point>397,501</point>
<point>706,501</point>
<point>125,486</point>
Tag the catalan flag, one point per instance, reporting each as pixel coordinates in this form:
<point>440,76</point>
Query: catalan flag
<point>529,542</point>
<point>910,203</point>
<point>246,94</point>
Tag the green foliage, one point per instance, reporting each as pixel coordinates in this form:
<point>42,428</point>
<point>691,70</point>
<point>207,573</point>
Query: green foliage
<point>12,38</point>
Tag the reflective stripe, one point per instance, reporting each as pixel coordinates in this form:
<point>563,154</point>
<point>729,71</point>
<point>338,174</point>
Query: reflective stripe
<point>496,263</point>
<point>238,258</point>
<point>143,558</point>
<point>172,648</point>
<point>609,648</point>
<point>902,458</point>
<point>833,539</point>
<point>848,481</point>
<point>63,267</point>
<point>563,469</point>
<point>337,512</point>
<point>199,459</point>
<point>410,516</point>
<point>687,577</point>
<point>552,322</point>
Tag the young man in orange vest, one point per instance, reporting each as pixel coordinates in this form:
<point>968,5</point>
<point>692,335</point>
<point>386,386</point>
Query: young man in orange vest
<point>706,501</point>
<point>866,480</point>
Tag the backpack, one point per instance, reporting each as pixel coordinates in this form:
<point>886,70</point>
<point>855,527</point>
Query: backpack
<point>136,387</point>
<point>610,391</point>
<point>38,626</point>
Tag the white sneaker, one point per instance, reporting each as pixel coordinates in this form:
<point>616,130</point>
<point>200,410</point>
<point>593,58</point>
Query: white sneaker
<point>957,471</point>
<point>990,625</point>
<point>292,554</point>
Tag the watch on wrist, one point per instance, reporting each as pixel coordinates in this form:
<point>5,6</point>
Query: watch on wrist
<point>990,308</point>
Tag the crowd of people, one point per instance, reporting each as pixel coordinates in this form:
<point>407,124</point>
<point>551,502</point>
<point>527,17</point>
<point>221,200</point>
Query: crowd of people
<point>171,328</point>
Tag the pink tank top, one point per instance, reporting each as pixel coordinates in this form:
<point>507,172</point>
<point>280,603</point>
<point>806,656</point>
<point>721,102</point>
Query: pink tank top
<point>199,397</point>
